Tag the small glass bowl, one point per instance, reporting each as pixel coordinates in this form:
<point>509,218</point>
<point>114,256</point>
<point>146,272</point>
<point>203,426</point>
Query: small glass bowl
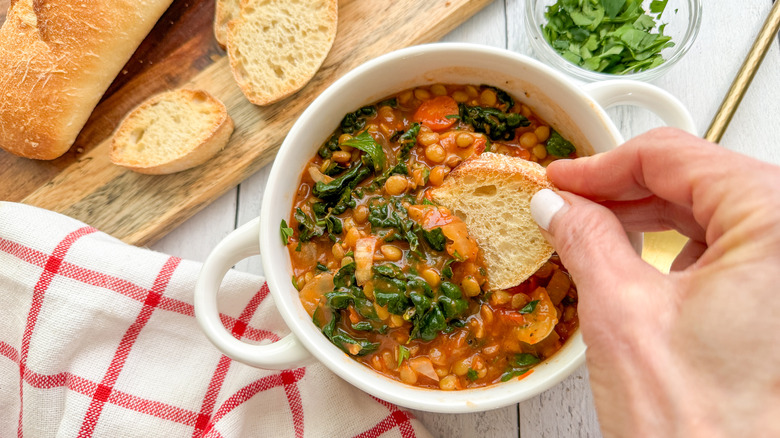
<point>683,18</point>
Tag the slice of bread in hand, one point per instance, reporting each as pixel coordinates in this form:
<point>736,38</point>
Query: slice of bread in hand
<point>276,46</point>
<point>224,12</point>
<point>492,194</point>
<point>171,132</point>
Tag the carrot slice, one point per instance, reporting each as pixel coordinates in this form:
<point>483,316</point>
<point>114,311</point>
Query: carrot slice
<point>433,113</point>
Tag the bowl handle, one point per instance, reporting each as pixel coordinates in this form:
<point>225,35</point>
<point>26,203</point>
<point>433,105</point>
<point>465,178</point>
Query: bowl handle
<point>626,92</point>
<point>243,242</point>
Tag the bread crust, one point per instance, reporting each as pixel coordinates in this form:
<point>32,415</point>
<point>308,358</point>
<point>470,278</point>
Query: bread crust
<point>500,217</point>
<point>210,139</point>
<point>224,12</point>
<point>57,58</point>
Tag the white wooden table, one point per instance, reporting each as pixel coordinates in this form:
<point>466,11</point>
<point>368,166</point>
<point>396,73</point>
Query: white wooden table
<point>700,81</point>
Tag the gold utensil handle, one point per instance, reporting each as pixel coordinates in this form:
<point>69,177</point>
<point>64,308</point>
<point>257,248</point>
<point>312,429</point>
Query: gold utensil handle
<point>746,73</point>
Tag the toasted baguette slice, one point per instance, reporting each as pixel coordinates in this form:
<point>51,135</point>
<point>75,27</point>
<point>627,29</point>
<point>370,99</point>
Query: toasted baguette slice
<point>224,12</point>
<point>171,132</point>
<point>492,194</point>
<point>276,46</point>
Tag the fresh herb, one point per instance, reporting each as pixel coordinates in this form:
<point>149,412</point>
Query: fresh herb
<point>366,143</point>
<point>519,365</point>
<point>609,36</point>
<point>530,307</point>
<point>286,232</point>
<point>321,267</point>
<point>559,146</point>
<point>295,283</point>
<point>472,374</point>
<point>435,238</point>
<point>355,121</point>
<point>497,124</point>
<point>403,354</point>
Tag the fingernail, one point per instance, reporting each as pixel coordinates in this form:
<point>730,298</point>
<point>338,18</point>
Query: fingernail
<point>544,205</point>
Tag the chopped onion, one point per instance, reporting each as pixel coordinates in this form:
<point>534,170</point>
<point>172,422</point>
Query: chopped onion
<point>364,258</point>
<point>424,366</point>
<point>318,176</point>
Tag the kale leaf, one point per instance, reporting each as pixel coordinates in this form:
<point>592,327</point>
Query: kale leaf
<point>497,124</point>
<point>355,121</point>
<point>559,146</point>
<point>366,143</point>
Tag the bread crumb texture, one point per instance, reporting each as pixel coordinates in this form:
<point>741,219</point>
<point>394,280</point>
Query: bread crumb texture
<point>276,46</point>
<point>172,131</point>
<point>492,195</point>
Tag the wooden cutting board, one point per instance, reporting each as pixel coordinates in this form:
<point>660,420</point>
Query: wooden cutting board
<point>181,51</point>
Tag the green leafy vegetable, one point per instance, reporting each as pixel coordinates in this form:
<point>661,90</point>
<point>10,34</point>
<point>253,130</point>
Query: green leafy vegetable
<point>408,139</point>
<point>609,36</point>
<point>502,96</point>
<point>332,192</point>
<point>366,143</point>
<point>430,324</point>
<point>321,267</point>
<point>392,103</point>
<point>472,374</point>
<point>286,232</point>
<point>519,365</point>
<point>530,307</point>
<point>559,146</point>
<point>497,124</point>
<point>307,227</point>
<point>331,145</point>
<point>355,121</point>
<point>446,270</point>
<point>435,238</point>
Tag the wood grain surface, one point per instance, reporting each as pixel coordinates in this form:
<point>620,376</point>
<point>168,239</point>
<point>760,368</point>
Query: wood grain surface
<point>182,52</point>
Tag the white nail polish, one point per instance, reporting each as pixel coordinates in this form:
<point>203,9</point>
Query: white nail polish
<point>544,205</point>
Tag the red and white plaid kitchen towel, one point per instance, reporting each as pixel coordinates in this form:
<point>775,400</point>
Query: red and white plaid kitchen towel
<point>98,338</point>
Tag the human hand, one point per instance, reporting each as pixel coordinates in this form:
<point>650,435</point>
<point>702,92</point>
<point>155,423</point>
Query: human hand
<point>691,353</point>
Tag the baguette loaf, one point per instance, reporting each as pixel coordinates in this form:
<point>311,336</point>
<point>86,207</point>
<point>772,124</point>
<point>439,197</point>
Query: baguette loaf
<point>171,132</point>
<point>276,46</point>
<point>492,195</point>
<point>58,58</point>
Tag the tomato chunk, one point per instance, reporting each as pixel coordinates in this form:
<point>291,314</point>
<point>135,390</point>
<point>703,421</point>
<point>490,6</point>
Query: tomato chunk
<point>433,113</point>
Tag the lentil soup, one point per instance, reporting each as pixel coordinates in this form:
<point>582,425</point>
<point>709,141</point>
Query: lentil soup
<point>395,280</point>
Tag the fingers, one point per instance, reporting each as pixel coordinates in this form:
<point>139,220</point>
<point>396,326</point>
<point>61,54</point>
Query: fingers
<point>675,167</point>
<point>653,163</point>
<point>590,240</point>
<point>689,255</point>
<point>655,214</point>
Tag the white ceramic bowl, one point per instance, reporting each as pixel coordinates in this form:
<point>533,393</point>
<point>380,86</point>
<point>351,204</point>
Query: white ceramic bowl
<point>576,112</point>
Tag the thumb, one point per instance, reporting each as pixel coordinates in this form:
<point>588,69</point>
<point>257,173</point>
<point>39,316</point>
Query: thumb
<point>589,239</point>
